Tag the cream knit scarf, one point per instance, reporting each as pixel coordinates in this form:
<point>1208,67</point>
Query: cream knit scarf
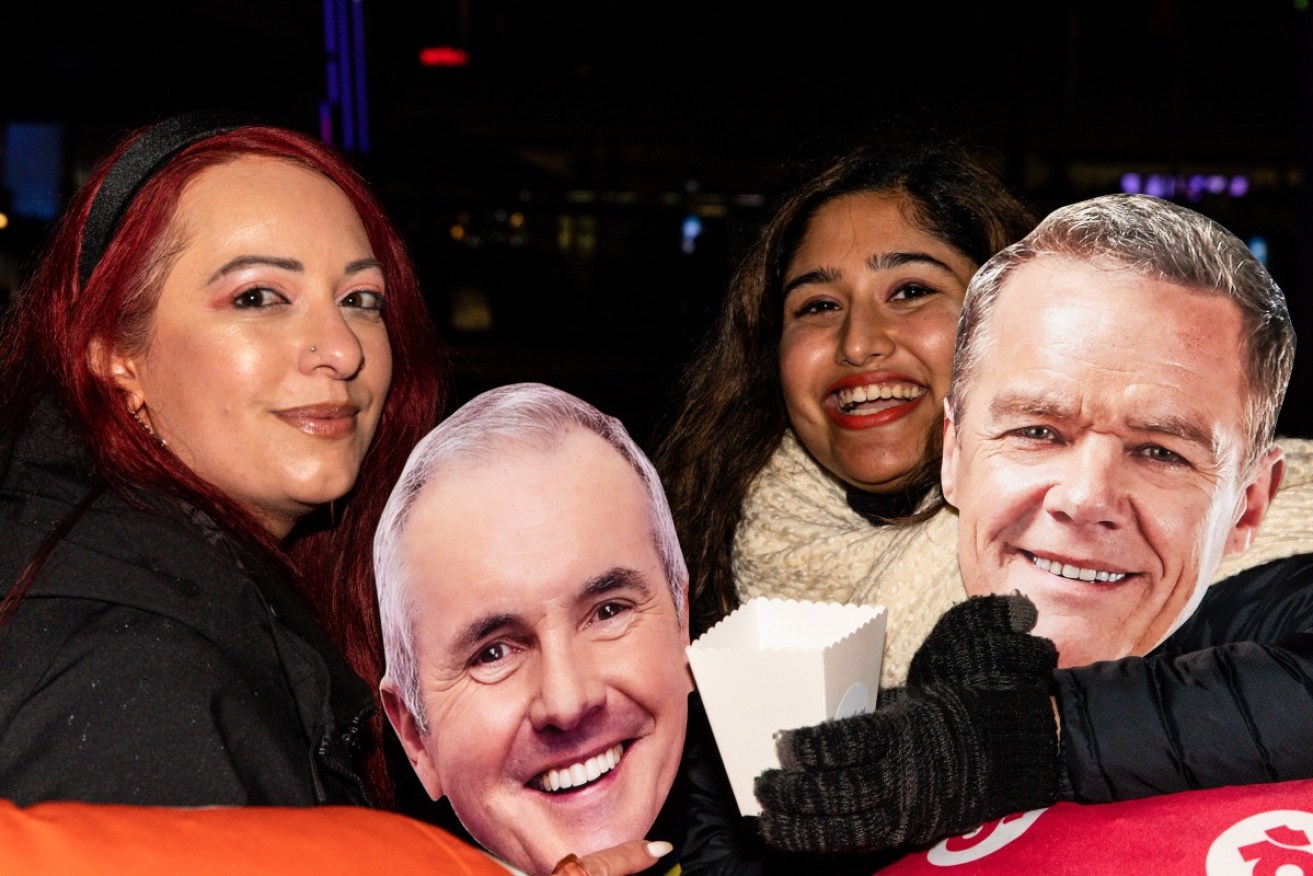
<point>798,539</point>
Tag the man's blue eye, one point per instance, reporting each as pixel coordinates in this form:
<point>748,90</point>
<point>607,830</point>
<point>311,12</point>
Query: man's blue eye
<point>1036,433</point>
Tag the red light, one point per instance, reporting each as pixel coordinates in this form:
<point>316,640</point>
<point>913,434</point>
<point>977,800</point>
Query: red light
<point>443,56</point>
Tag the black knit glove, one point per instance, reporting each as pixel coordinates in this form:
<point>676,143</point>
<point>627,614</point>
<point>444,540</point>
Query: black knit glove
<point>941,759</point>
<point>984,643</point>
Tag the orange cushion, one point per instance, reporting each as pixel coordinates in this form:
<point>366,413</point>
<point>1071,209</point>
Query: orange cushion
<point>83,838</point>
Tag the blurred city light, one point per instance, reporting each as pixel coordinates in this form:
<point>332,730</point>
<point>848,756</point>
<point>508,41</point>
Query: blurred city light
<point>443,56</point>
<point>1258,246</point>
<point>1190,188</point>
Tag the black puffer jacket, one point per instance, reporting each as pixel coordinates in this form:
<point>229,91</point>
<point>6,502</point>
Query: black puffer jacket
<point>1192,715</point>
<point>154,660</point>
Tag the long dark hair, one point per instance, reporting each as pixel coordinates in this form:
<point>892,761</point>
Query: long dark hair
<point>731,416</point>
<point>58,319</point>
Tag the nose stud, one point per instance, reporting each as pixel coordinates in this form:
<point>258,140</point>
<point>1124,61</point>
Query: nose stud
<point>313,349</point>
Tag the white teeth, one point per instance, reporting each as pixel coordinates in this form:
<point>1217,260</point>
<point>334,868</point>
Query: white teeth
<point>1066,570</point>
<point>580,773</point>
<point>878,392</point>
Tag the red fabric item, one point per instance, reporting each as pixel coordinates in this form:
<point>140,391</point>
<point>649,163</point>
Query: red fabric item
<point>104,840</point>
<point>1254,830</point>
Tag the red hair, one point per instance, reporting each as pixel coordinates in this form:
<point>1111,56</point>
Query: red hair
<point>58,324</point>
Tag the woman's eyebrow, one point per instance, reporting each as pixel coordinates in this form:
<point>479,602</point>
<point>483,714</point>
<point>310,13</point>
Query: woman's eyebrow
<point>247,260</point>
<point>816,275</point>
<point>879,262</point>
<point>363,265</point>
<point>294,265</point>
<point>887,260</point>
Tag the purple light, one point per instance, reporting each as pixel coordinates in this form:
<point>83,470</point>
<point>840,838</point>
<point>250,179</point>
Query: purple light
<point>326,122</point>
<point>330,33</point>
<point>358,63</point>
<point>344,78</point>
<point>330,70</point>
<point>1189,188</point>
<point>333,97</point>
<point>330,65</point>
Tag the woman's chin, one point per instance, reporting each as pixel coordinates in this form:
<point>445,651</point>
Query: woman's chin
<point>890,476</point>
<point>280,518</point>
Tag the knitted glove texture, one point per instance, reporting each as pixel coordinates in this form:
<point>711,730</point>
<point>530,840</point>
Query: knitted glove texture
<point>971,738</point>
<point>985,643</point>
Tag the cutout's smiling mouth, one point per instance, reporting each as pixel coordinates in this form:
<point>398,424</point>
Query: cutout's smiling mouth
<point>576,775</point>
<point>1075,573</point>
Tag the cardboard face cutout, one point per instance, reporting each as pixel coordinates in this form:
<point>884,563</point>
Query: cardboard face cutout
<point>1097,462</point>
<point>549,650</point>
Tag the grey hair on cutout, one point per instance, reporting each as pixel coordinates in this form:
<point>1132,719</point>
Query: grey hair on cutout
<point>529,416</point>
<point>1160,240</point>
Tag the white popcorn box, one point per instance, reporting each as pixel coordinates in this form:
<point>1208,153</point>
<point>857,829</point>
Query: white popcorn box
<point>777,665</point>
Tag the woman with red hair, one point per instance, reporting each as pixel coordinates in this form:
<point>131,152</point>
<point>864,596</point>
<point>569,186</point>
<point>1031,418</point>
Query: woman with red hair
<point>206,392</point>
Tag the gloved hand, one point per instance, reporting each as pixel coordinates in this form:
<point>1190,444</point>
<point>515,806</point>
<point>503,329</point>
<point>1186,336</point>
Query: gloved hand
<point>984,642</point>
<point>941,759</point>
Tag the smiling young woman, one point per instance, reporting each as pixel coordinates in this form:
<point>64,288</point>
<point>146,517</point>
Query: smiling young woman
<point>804,459</point>
<point>206,391</point>
<point>866,348</point>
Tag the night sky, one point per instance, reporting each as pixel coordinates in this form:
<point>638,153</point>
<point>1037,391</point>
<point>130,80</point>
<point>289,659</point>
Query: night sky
<point>700,103</point>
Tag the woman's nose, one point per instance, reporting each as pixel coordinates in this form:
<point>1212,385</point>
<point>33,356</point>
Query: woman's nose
<point>863,336</point>
<point>330,343</point>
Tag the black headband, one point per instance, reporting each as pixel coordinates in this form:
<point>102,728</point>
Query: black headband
<point>147,154</point>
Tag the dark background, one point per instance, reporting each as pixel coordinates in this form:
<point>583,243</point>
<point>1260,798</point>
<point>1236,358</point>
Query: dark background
<point>544,187</point>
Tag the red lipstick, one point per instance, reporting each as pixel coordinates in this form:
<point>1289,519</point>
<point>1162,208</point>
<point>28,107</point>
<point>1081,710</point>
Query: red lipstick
<point>894,410</point>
